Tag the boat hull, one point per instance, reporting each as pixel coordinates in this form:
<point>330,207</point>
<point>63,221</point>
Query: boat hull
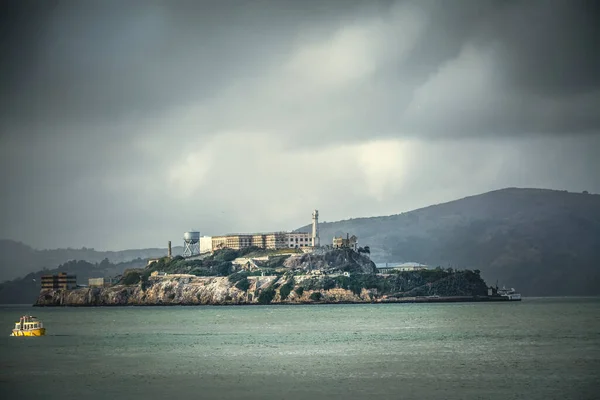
<point>29,332</point>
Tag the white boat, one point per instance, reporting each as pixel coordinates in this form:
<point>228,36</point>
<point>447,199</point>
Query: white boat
<point>511,294</point>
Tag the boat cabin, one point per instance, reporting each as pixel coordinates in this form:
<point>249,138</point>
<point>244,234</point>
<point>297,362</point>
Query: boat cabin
<point>28,323</point>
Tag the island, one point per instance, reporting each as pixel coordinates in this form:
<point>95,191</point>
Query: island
<point>259,276</point>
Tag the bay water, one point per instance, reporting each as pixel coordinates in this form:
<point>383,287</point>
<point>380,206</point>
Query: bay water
<point>539,348</point>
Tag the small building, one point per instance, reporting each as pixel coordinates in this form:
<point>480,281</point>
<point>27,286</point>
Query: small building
<point>350,242</point>
<point>152,261</point>
<point>158,273</point>
<point>206,244</point>
<point>411,266</point>
<point>100,282</point>
<point>405,267</point>
<point>61,281</point>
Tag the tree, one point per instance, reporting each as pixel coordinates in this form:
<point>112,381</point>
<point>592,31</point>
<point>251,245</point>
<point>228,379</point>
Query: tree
<point>316,296</point>
<point>243,284</point>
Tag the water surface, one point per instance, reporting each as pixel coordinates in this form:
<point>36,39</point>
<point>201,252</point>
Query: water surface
<point>536,349</point>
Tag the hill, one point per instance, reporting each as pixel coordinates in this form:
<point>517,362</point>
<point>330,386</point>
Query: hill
<point>25,290</point>
<point>18,259</point>
<point>542,242</point>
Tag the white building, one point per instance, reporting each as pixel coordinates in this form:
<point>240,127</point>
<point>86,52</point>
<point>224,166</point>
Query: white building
<point>409,266</point>
<point>273,240</point>
<point>205,244</point>
<point>298,239</point>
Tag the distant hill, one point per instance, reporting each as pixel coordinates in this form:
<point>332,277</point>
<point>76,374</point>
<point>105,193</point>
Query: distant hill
<point>542,242</point>
<point>18,259</point>
<point>26,289</point>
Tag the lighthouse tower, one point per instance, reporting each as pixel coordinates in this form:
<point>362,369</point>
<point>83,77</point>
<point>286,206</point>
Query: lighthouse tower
<point>315,229</point>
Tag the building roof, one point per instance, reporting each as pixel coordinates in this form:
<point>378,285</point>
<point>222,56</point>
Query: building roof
<point>411,264</point>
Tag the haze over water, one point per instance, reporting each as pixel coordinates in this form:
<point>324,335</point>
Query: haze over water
<point>536,349</point>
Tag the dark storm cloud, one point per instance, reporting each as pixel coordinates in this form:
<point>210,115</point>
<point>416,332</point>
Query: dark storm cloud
<point>124,123</point>
<point>549,47</point>
<point>104,60</point>
<point>543,67</point>
<point>96,62</point>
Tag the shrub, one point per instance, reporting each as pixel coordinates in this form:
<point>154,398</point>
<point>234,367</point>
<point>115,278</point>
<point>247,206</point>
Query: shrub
<point>243,284</point>
<point>316,296</point>
<point>144,279</point>
<point>132,278</point>
<point>328,284</point>
<point>224,268</point>
<point>266,295</point>
<point>299,291</point>
<point>200,272</point>
<point>225,255</point>
<point>233,278</point>
<point>286,289</point>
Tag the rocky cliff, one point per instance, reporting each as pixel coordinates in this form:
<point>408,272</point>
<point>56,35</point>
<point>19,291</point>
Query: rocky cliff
<point>338,260</point>
<point>179,289</point>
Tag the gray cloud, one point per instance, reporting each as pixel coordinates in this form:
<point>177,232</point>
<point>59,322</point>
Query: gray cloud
<point>123,124</point>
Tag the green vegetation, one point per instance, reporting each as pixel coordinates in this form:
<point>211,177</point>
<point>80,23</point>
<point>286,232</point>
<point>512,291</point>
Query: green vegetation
<point>256,252</point>
<point>219,263</point>
<point>266,295</point>
<point>131,277</point>
<point>286,289</point>
<point>299,291</point>
<point>316,296</point>
<point>405,284</point>
<point>276,262</point>
<point>233,278</point>
<point>243,284</point>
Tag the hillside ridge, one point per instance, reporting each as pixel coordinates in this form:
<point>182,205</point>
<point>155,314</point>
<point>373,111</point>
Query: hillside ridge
<point>533,239</point>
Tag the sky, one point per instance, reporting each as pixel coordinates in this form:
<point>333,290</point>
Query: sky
<point>125,124</point>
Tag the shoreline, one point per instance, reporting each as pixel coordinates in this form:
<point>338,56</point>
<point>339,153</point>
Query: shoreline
<point>407,300</point>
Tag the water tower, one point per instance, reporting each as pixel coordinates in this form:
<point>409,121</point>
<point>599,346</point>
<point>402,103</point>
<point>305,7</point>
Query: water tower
<point>191,243</point>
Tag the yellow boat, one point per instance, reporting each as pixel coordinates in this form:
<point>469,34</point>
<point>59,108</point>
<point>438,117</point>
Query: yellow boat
<point>28,326</point>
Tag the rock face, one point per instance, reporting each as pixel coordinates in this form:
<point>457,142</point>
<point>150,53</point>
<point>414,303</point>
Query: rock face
<point>182,289</point>
<point>189,290</point>
<point>339,260</point>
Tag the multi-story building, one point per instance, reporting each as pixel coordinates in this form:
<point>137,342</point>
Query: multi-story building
<point>260,240</point>
<point>274,240</point>
<point>235,241</point>
<point>218,242</point>
<point>60,281</point>
<point>271,240</point>
<point>299,239</point>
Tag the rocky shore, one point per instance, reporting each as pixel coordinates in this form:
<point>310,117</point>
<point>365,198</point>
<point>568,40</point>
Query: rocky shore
<point>181,289</point>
